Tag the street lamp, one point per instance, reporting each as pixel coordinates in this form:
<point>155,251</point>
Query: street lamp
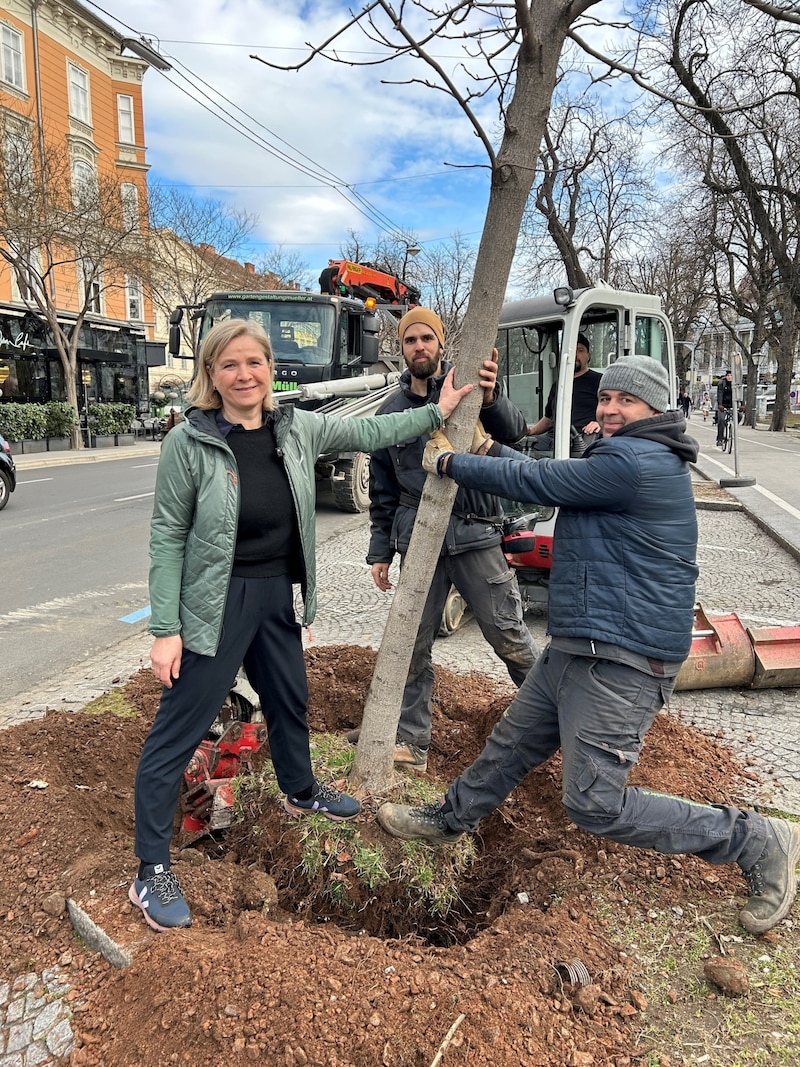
<point>411,250</point>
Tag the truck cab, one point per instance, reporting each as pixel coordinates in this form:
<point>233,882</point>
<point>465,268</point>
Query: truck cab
<point>536,344</point>
<point>315,337</point>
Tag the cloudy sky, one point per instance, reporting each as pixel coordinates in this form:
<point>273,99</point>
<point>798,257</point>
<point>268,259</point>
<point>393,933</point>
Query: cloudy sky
<point>406,150</point>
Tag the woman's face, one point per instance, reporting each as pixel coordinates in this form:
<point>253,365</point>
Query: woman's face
<point>242,375</point>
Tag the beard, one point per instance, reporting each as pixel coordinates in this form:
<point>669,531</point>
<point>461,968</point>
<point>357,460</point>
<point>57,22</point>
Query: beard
<point>423,369</point>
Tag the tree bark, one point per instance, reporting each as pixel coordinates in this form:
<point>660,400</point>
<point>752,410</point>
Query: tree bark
<point>512,178</point>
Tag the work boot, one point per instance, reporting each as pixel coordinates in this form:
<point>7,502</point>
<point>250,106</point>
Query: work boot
<point>772,878</point>
<point>406,756</point>
<point>426,823</point>
<point>161,899</point>
<point>410,757</point>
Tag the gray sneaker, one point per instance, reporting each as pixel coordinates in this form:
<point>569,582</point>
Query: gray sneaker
<point>426,823</point>
<point>772,878</point>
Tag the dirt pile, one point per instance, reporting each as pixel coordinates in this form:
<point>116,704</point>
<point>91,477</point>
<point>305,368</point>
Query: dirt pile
<point>280,981</point>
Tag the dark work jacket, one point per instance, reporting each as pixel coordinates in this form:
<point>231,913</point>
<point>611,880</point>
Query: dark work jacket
<point>396,480</point>
<point>625,542</point>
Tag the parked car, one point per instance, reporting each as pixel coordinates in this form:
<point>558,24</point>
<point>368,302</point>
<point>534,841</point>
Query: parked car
<point>8,473</point>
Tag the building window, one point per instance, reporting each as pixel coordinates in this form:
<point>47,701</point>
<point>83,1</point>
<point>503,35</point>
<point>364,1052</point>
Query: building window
<point>92,287</point>
<point>84,186</point>
<point>30,280</point>
<point>130,206</point>
<point>17,156</point>
<point>134,298</point>
<point>125,119</point>
<point>79,94</point>
<point>11,53</point>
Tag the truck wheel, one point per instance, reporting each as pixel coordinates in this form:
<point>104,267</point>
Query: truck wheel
<point>454,614</point>
<point>351,484</point>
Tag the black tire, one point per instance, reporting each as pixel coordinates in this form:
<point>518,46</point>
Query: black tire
<point>351,487</point>
<point>454,613</point>
<point>727,438</point>
<point>5,489</point>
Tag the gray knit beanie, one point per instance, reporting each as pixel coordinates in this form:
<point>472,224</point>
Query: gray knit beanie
<point>640,376</point>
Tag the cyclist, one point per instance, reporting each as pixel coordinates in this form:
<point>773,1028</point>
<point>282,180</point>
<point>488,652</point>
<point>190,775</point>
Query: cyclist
<point>724,403</point>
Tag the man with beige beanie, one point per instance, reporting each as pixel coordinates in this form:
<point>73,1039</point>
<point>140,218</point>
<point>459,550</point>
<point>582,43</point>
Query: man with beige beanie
<point>471,557</point>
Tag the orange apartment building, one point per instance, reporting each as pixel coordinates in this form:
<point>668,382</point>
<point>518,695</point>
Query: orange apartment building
<point>64,80</point>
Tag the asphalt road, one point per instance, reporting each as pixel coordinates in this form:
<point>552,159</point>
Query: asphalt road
<point>74,583</point>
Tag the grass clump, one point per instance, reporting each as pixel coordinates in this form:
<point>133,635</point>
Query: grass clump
<point>111,703</point>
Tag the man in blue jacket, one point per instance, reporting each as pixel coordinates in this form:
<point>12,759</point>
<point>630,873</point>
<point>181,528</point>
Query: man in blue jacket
<point>471,558</point>
<point>620,619</point>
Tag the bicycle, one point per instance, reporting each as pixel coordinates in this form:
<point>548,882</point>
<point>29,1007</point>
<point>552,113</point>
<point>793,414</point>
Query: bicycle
<point>727,432</point>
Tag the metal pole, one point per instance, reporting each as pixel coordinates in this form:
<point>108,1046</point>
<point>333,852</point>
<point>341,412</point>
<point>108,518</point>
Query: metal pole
<point>736,386</point>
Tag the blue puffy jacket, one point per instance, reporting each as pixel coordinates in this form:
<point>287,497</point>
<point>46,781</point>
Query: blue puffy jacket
<point>625,543</point>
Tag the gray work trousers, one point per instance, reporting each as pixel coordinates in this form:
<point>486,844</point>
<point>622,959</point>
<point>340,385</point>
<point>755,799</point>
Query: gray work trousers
<point>598,712</point>
<point>489,586</point>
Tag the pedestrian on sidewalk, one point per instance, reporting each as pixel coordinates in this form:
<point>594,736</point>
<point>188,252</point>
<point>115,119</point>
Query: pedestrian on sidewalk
<point>471,558</point>
<point>233,530</point>
<point>621,610</point>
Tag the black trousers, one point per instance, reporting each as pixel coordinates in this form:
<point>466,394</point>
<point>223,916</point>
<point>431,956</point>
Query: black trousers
<point>259,630</point>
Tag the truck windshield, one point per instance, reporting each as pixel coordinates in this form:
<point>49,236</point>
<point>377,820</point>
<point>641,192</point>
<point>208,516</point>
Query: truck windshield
<point>301,333</point>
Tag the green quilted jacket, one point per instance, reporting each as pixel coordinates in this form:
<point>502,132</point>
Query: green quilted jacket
<point>196,509</point>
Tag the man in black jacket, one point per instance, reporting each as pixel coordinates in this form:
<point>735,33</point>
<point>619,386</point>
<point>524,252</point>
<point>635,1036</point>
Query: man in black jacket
<point>724,403</point>
<point>471,557</point>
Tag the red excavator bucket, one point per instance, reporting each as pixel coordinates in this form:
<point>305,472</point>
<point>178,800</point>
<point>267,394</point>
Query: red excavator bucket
<point>777,656</point>
<point>721,654</point>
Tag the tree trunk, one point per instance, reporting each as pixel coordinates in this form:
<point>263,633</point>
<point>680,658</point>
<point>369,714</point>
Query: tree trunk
<point>790,320</point>
<point>512,179</point>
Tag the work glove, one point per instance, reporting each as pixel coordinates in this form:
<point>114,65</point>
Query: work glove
<point>435,451</point>
<point>480,440</point>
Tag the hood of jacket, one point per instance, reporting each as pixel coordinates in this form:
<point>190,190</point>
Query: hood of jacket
<point>668,429</point>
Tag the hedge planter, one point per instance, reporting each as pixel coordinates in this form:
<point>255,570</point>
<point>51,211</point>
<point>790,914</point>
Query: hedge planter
<point>58,444</point>
<point>30,447</point>
<point>126,439</point>
<point>104,441</point>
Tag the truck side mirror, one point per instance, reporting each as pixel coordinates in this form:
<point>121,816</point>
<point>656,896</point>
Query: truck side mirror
<point>370,347</point>
<point>174,346</point>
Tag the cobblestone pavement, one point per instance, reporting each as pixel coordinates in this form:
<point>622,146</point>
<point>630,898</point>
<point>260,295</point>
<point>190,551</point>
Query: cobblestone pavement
<point>35,1026</point>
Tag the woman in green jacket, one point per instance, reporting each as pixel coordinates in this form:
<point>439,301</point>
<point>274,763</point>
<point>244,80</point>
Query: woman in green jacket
<point>233,529</point>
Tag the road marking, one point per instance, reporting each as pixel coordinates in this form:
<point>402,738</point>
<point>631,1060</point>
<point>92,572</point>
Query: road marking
<point>33,481</point>
<point>794,512</point>
<point>136,616</point>
<point>60,605</point>
<point>143,466</point>
<point>139,496</point>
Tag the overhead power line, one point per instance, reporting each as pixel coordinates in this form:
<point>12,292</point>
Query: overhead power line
<point>291,156</point>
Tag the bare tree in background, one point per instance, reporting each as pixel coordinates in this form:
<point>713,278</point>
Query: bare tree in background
<point>289,269</point>
<point>745,101</point>
<point>593,197</point>
<point>519,47</point>
<point>192,241</point>
<point>68,235</point>
<point>675,262</point>
<point>445,277</point>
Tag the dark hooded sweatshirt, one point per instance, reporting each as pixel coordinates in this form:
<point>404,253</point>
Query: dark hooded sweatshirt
<point>625,543</point>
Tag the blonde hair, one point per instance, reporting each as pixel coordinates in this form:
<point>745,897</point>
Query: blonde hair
<point>201,392</point>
